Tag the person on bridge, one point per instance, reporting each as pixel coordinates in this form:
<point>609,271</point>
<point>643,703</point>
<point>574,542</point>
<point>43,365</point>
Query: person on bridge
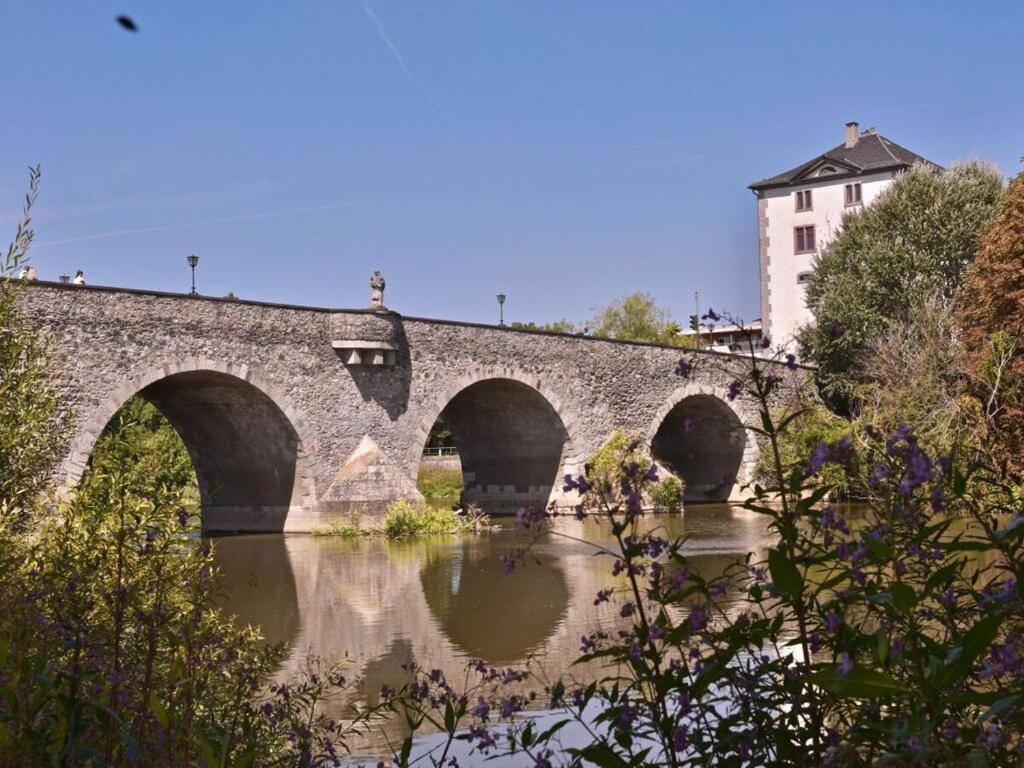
<point>587,331</point>
<point>79,278</point>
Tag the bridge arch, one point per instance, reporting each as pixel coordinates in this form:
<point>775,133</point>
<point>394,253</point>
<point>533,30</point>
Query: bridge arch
<point>699,435</point>
<point>248,444</point>
<point>514,436</point>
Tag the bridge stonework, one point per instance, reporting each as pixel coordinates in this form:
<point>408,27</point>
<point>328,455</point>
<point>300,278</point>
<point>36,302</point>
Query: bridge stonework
<point>294,416</point>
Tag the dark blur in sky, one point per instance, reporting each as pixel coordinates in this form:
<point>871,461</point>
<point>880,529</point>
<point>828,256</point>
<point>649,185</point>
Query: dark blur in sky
<point>562,152</point>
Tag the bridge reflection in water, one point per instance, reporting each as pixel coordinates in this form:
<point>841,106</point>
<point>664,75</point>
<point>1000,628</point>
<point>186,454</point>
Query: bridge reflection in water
<point>442,601</point>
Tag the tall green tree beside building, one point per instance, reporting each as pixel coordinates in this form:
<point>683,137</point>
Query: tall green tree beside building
<point>915,241</point>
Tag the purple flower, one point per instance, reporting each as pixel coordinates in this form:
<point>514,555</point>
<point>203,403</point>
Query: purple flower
<point>602,596</point>
<point>711,315</point>
<point>626,717</point>
<point>680,738</point>
<point>698,618</point>
<point>634,652</point>
<point>482,710</point>
<point>833,621</point>
<point>791,362</point>
<point>835,331</point>
<point>878,473</point>
<point>484,738</point>
<point>845,664</point>
<point>684,369</point>
<point>734,390</point>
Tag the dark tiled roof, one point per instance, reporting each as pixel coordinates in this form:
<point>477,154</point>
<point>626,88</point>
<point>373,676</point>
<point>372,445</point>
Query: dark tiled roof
<point>872,152</point>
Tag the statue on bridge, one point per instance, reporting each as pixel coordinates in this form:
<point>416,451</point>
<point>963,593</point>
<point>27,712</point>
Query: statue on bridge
<point>377,285</point>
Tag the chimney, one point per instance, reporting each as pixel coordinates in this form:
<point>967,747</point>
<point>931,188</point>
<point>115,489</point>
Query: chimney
<point>852,134</point>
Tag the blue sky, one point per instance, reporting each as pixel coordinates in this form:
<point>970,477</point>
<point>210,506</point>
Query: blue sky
<point>562,152</point>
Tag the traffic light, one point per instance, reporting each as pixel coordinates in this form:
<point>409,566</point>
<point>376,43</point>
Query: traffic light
<point>694,323</point>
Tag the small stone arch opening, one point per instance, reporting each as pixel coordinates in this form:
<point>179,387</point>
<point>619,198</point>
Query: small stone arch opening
<point>701,441</point>
<point>243,448</point>
<point>510,442</point>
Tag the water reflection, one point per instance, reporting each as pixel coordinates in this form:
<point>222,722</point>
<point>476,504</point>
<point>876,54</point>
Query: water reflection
<point>448,598</point>
<point>442,601</point>
<point>487,613</point>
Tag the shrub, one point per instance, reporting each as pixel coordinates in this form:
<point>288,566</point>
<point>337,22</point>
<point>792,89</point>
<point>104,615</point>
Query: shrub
<point>404,518</point>
<point>990,319</point>
<point>667,495</point>
<point>814,425</point>
<point>604,466</point>
<point>889,639</point>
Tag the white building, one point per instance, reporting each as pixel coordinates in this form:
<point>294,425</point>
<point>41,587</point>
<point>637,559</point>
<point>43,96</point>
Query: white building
<point>801,210</point>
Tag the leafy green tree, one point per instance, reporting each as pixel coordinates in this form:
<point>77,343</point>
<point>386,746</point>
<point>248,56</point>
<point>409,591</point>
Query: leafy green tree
<point>557,326</point>
<point>33,427</point>
<point>635,317</point>
<point>916,240</point>
<point>141,447</point>
<point>990,320</point>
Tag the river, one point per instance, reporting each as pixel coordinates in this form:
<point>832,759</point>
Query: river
<point>442,601</point>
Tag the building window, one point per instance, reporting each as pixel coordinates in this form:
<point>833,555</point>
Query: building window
<point>803,200</point>
<point>803,278</point>
<point>803,239</point>
<point>853,194</point>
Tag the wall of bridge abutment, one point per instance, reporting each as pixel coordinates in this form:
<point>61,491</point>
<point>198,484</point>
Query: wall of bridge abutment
<point>288,427</point>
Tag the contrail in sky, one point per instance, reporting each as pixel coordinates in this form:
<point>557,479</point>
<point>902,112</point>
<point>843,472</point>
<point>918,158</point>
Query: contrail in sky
<point>185,225</point>
<point>382,31</point>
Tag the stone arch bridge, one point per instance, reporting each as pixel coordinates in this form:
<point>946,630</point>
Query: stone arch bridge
<point>296,415</point>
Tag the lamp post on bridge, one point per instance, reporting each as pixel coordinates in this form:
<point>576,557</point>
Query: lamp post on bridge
<point>501,309</point>
<point>193,260</point>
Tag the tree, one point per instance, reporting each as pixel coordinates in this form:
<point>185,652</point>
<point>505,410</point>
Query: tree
<point>635,317</point>
<point>914,375</point>
<point>990,321</point>
<point>33,428</point>
<point>142,449</point>
<point>914,241</point>
<point>557,326</point>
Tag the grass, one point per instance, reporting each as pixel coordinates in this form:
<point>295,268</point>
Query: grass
<point>439,484</point>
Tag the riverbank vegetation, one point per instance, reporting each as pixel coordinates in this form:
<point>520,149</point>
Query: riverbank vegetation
<point>894,639</point>
<point>111,650</point>
<point>405,518</point>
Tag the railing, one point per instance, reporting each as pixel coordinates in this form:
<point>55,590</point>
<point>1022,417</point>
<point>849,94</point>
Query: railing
<point>441,451</point>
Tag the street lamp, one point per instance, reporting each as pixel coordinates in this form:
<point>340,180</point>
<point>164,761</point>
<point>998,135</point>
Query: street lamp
<point>501,309</point>
<point>192,261</point>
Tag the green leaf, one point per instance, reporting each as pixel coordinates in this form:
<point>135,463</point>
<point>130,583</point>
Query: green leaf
<point>976,641</point>
<point>557,692</point>
<point>601,755</point>
<point>784,573</point>
<point>1000,707</point>
<point>860,683</point>
<point>903,596</point>
<point>159,710</point>
<point>879,548</point>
